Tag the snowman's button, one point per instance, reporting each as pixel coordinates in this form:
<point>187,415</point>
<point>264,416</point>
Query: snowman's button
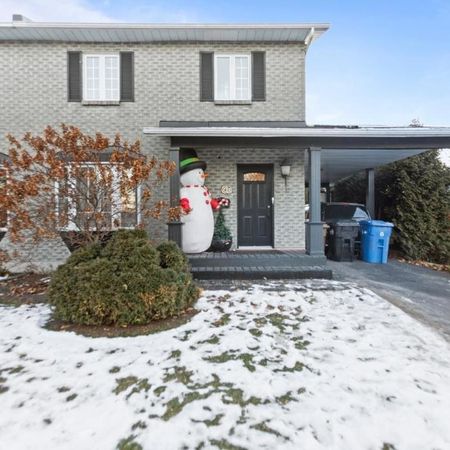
<point>207,202</point>
<point>205,194</point>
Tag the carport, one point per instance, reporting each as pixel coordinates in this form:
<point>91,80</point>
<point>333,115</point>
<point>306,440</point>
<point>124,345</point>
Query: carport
<point>333,152</point>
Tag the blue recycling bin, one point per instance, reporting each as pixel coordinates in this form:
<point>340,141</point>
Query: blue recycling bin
<point>375,236</point>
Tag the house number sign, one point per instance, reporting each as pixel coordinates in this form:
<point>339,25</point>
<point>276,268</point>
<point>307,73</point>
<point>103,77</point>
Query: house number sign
<point>226,190</point>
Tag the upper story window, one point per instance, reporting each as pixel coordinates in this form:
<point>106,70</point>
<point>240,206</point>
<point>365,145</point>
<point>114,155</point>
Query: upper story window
<point>101,77</point>
<point>232,77</point>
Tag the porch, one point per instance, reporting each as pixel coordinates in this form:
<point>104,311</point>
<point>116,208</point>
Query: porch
<point>318,155</point>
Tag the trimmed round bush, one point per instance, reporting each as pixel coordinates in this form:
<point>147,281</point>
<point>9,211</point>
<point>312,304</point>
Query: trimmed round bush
<point>172,257</point>
<point>128,282</point>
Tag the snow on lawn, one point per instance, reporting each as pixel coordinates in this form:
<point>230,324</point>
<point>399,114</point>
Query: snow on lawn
<point>308,365</point>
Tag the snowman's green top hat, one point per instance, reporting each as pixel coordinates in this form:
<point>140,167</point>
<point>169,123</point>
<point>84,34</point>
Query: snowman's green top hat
<point>189,160</point>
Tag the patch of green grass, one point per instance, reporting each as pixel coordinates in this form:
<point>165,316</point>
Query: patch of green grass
<point>260,321</point>
<point>255,332</point>
<point>214,339</point>
<point>285,399</point>
<point>174,406</point>
<point>387,446</point>
<point>63,389</point>
<point>246,358</point>
<point>124,383</point>
<point>210,422</point>
<point>298,367</point>
<point>236,396</point>
<point>128,444</point>
<point>175,354</point>
<point>300,343</point>
<point>224,320</point>
<point>179,374</point>
<point>141,385</point>
<point>159,390</point>
<point>277,320</point>
<point>13,370</point>
<point>262,426</point>
<point>140,424</point>
<point>71,397</point>
<point>114,369</point>
<point>223,444</point>
<point>186,335</point>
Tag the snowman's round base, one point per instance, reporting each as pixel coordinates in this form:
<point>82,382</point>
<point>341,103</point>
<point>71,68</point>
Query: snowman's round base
<point>221,245</point>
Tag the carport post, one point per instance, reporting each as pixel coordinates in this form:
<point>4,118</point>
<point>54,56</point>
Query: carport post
<point>370,192</point>
<point>174,226</point>
<point>314,228</point>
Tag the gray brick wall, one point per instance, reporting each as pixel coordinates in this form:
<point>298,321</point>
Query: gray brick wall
<point>33,94</point>
<point>289,214</point>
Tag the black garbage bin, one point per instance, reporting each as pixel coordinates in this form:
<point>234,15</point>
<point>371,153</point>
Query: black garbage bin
<point>341,240</point>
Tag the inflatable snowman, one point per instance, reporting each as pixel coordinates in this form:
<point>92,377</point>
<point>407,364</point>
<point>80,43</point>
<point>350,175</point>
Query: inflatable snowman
<point>197,204</point>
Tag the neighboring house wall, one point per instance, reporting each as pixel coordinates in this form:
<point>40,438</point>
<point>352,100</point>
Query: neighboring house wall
<point>167,87</point>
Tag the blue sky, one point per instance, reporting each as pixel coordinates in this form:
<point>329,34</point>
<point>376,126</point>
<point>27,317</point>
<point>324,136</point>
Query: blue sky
<point>381,62</point>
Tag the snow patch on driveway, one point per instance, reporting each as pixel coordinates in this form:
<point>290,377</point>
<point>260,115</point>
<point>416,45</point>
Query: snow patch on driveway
<point>309,365</point>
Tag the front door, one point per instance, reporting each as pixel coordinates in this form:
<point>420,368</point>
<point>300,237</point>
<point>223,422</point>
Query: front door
<point>255,208</point>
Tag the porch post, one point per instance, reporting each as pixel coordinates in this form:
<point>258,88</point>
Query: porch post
<point>370,192</point>
<point>174,227</point>
<point>314,231</point>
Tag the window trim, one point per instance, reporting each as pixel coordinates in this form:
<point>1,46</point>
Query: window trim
<point>233,57</point>
<point>102,89</point>
<point>116,204</point>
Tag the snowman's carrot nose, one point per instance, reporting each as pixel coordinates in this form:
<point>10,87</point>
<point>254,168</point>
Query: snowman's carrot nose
<point>205,175</point>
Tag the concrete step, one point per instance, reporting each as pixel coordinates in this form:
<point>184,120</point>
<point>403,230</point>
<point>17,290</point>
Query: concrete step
<point>261,260</point>
<point>260,272</point>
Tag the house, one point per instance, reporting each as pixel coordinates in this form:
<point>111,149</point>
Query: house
<point>234,93</point>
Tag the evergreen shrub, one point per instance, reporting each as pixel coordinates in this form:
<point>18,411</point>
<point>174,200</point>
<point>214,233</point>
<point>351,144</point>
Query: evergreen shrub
<point>128,282</point>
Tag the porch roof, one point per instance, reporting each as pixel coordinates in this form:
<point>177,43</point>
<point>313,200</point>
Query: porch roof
<point>345,149</point>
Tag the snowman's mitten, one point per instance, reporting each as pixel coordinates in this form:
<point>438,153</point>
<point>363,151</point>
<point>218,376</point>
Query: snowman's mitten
<point>185,205</point>
<point>215,204</point>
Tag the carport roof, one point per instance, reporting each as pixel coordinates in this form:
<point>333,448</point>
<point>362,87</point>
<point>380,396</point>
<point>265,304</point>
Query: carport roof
<point>345,149</point>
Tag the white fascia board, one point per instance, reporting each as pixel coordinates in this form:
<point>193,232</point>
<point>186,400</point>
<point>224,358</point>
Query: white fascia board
<point>194,26</point>
<point>297,132</point>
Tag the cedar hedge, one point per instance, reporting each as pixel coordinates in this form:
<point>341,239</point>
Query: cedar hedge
<point>127,282</point>
<point>414,194</point>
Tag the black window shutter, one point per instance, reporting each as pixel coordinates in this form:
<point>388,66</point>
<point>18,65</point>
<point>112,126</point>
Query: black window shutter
<point>258,76</point>
<point>126,77</point>
<point>206,76</point>
<point>74,78</point>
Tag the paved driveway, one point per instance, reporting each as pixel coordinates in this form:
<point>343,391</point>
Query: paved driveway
<point>422,293</point>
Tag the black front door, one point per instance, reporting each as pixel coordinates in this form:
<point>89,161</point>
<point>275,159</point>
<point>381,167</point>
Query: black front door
<point>255,208</point>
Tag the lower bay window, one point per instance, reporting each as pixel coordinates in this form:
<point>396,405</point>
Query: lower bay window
<point>94,197</point>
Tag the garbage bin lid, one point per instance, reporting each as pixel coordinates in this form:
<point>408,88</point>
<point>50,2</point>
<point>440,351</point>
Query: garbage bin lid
<point>346,223</point>
<point>377,223</point>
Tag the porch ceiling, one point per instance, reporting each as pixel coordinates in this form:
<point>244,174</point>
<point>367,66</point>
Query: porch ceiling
<point>345,150</point>
<point>338,164</point>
